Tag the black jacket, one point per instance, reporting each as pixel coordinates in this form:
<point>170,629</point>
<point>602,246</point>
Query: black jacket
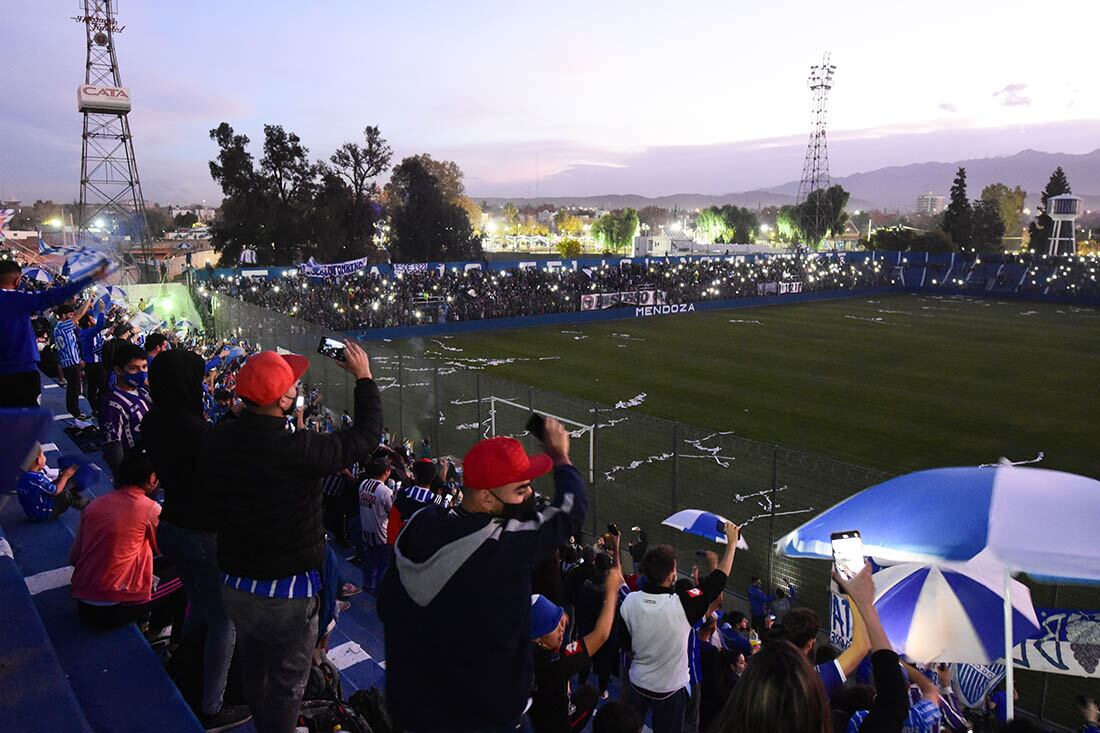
<point>268,486</point>
<point>173,433</point>
<point>456,606</point>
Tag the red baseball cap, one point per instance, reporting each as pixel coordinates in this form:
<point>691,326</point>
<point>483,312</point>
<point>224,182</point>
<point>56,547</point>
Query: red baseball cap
<point>266,376</point>
<point>498,461</point>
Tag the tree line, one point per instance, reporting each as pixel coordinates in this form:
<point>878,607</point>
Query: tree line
<point>287,208</point>
<point>980,224</point>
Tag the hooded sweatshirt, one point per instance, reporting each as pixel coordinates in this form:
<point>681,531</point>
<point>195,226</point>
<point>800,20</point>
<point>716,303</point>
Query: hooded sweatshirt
<point>173,433</point>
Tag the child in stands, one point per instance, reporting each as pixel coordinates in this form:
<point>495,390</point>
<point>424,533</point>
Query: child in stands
<point>42,498</point>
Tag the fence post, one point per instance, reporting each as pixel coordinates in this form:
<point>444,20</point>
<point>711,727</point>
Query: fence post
<point>771,519</point>
<point>675,466</point>
<point>595,472</point>
<point>530,398</point>
<point>438,412</point>
<point>401,396</point>
<point>479,433</point>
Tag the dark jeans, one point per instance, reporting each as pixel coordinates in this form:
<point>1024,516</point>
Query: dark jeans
<point>668,713</point>
<point>21,389</point>
<point>337,510</point>
<point>195,555</point>
<point>376,560</point>
<point>96,378</point>
<point>275,639</point>
<point>72,388</point>
<point>67,498</point>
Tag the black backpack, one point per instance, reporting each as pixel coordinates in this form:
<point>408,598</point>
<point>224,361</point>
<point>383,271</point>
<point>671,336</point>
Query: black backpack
<point>323,682</point>
<point>371,704</point>
<point>322,716</point>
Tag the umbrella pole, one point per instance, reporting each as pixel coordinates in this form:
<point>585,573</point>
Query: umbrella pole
<point>1009,675</point>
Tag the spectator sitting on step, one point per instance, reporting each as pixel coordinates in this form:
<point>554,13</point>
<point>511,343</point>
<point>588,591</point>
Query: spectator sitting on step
<point>116,580</point>
<point>41,498</point>
<point>126,405</point>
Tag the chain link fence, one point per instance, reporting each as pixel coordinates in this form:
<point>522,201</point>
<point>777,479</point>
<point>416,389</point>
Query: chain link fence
<point>640,468</point>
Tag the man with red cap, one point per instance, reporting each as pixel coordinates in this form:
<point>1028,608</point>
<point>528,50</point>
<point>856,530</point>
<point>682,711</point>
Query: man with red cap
<point>469,568</point>
<point>271,541</point>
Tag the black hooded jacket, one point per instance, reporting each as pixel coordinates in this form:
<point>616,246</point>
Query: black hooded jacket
<point>173,433</point>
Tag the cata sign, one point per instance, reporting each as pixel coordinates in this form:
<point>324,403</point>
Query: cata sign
<point>107,100</point>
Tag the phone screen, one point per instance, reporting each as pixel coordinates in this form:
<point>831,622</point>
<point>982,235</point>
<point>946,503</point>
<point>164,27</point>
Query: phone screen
<point>332,348</point>
<point>847,553</point>
<point>300,402</point>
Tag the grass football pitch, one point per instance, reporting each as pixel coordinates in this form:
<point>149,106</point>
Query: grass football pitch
<point>895,382</point>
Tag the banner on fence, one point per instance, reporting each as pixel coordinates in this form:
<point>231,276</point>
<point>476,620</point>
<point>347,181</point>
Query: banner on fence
<point>781,288</point>
<point>312,268</point>
<point>601,301</point>
<point>1068,640</point>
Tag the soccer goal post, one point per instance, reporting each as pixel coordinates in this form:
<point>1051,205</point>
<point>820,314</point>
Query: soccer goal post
<point>578,430</point>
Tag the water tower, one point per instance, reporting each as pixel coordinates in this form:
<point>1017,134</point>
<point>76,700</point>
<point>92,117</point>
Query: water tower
<point>1064,210</point>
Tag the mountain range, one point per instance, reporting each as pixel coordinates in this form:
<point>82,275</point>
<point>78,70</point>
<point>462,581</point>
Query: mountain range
<point>893,187</point>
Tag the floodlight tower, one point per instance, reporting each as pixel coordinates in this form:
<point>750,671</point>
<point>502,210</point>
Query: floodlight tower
<point>109,185</point>
<point>815,170</point>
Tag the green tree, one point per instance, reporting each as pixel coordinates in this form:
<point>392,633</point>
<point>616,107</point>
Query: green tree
<point>509,219</point>
<point>787,229</point>
<point>244,206</point>
<point>427,224</point>
<point>1042,229</point>
<point>568,247</point>
<point>357,165</point>
<point>822,215</point>
<point>615,230</point>
<point>186,220</point>
<point>1010,206</point>
<point>710,225</point>
<point>988,226</point>
<point>958,219</point>
<point>906,239</point>
<point>567,224</point>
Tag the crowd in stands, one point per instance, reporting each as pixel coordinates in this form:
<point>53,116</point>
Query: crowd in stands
<point>367,300</point>
<point>233,486</point>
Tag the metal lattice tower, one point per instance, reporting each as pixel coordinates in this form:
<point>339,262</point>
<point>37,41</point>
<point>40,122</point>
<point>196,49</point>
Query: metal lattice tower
<point>815,170</point>
<point>109,185</point>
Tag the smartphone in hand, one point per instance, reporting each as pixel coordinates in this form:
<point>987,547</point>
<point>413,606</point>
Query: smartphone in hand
<point>847,553</point>
<point>536,426</point>
<point>332,348</point>
<point>612,529</point>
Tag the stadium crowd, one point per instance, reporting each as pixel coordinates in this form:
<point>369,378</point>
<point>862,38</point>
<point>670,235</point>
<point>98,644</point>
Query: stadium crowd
<point>365,300</point>
<point>497,610</point>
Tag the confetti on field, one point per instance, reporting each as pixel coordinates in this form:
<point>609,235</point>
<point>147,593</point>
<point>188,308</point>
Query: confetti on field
<point>627,336</point>
<point>750,322</point>
<point>445,347</point>
<point>1029,313</point>
<point>632,402</point>
<point>609,475</point>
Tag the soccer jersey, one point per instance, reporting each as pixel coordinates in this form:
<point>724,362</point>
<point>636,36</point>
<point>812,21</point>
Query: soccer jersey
<point>832,676</point>
<point>120,420</point>
<point>64,337</point>
<point>36,493</point>
<point>91,341</point>
<point>924,717</point>
<point>375,502</point>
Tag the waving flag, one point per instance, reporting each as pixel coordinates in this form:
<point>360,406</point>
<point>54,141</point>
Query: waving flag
<point>45,249</point>
<point>81,262</point>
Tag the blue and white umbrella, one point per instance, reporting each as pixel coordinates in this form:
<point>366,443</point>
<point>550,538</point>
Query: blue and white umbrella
<point>1030,520</point>
<point>184,324</point>
<point>38,275</point>
<point>702,524</point>
<point>950,613</point>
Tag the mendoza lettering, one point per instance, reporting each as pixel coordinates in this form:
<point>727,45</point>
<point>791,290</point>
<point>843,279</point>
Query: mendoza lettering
<point>664,310</point>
